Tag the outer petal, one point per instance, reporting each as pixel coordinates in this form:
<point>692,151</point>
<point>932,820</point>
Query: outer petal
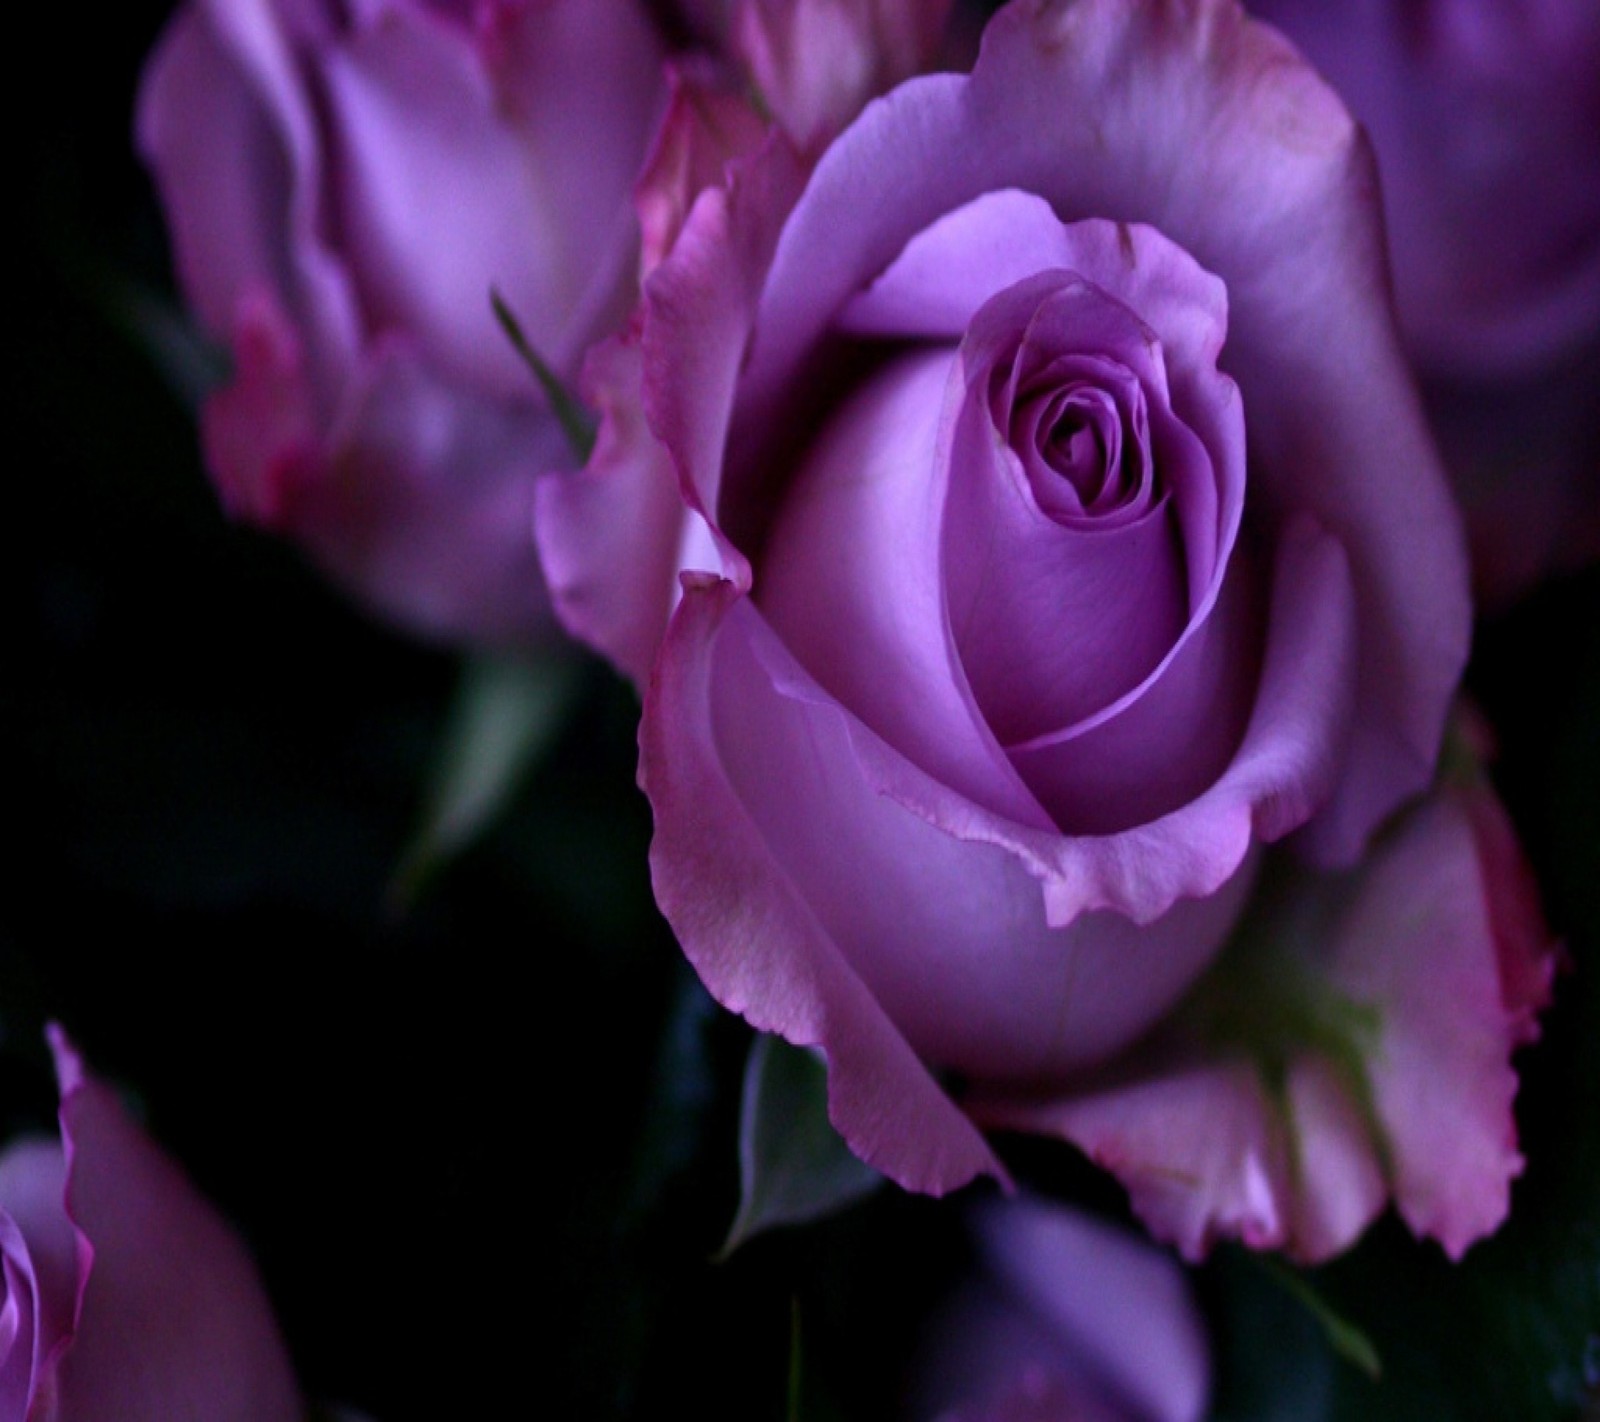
<point>612,537</point>
<point>1516,917</point>
<point>694,324</point>
<point>1365,1055</point>
<point>174,1322</point>
<point>754,940</point>
<point>260,431</point>
<point>1126,1305</point>
<point>228,129</point>
<point>609,534</point>
<point>1072,1312</point>
<point>698,314</point>
<point>1185,115</point>
<point>419,500</point>
<point>1339,1186</point>
<point>816,62</point>
<point>1197,1146</point>
<point>455,175</point>
<point>584,81</point>
<point>1422,941</point>
<point>46,1262</point>
<point>707,126</point>
<point>422,503</point>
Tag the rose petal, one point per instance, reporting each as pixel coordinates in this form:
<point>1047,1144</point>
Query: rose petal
<point>1123,1306</point>
<point>1516,917</point>
<point>1198,1147</point>
<point>698,312</point>
<point>444,190</point>
<point>1053,622</point>
<point>226,127</point>
<point>816,62</point>
<point>1069,1318</point>
<point>707,127</point>
<point>1477,111</point>
<point>609,534</point>
<point>260,430</point>
<point>1339,1186</point>
<point>174,1322</point>
<point>864,515</point>
<point>755,942</point>
<point>1161,745</point>
<point>46,1262</point>
<point>938,917</point>
<point>1420,942</point>
<point>421,503</point>
<point>1288,756</point>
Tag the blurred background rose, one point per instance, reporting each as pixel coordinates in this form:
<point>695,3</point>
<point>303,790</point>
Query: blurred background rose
<point>215,766</point>
<point>1486,119</point>
<point>1065,1318</point>
<point>344,186</point>
<point>127,1296</point>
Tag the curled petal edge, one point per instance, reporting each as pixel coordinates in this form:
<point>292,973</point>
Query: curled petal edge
<point>758,947</point>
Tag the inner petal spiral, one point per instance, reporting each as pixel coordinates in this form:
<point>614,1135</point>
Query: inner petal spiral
<point>1084,555</point>
<point>1065,566</point>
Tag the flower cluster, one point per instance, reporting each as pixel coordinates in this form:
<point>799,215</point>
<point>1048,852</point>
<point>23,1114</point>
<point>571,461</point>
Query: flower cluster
<point>1008,468</point>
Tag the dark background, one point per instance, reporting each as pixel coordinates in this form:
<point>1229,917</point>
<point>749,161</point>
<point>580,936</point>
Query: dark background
<point>431,1123</point>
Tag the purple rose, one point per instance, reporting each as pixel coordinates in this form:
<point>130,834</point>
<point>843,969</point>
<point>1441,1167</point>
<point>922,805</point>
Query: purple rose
<point>1479,110</point>
<point>125,1295</point>
<point>1485,115</point>
<point>1070,1320</point>
<point>344,185</point>
<point>1057,526</point>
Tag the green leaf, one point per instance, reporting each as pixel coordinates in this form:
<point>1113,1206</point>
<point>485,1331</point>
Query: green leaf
<point>1274,1364</point>
<point>683,1091</point>
<point>792,1412</point>
<point>793,1166</point>
<point>189,362</point>
<point>577,421</point>
<point>1348,1341</point>
<point>506,714</point>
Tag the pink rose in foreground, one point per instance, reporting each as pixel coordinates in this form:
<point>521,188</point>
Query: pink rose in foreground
<point>126,1297</point>
<point>1072,1321</point>
<point>1353,1045</point>
<point>1486,119</point>
<point>344,186</point>
<point>1058,527</point>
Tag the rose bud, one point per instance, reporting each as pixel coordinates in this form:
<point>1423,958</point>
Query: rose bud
<point>1070,1318</point>
<point>1486,119</point>
<point>345,186</point>
<point>1057,527</point>
<point>126,1296</point>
